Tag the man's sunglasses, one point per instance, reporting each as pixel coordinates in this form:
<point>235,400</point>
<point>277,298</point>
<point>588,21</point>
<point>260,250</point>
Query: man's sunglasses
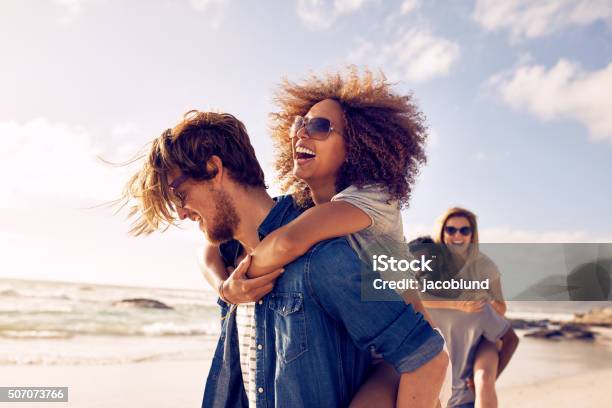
<point>465,231</point>
<point>178,197</point>
<point>315,128</point>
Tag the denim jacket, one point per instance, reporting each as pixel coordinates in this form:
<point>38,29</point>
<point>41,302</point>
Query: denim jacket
<point>314,334</point>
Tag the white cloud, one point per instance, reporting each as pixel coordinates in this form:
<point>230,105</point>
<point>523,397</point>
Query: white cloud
<point>215,11</point>
<point>481,156</point>
<point>347,6</point>
<point>530,19</point>
<point>319,14</point>
<point>313,14</point>
<point>422,55</point>
<point>206,5</point>
<point>72,9</point>
<point>72,6</point>
<point>409,6</point>
<point>50,179</point>
<point>43,160</point>
<point>416,55</point>
<point>563,91</point>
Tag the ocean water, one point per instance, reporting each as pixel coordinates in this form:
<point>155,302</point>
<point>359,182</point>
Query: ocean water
<point>553,310</point>
<point>75,323</point>
<point>57,323</point>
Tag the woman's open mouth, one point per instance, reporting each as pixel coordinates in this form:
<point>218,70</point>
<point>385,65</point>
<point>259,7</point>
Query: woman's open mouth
<point>303,154</point>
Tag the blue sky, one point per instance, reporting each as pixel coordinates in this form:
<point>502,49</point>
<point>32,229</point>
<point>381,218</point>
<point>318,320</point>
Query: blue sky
<point>516,94</point>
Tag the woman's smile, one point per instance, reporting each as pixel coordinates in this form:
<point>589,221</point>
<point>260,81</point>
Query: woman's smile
<point>303,155</point>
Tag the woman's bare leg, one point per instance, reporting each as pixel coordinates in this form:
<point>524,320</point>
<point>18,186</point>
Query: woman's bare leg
<point>485,374</point>
<point>379,389</point>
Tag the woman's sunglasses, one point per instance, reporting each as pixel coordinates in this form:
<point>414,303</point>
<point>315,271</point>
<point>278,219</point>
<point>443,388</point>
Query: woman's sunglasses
<point>465,231</point>
<point>315,128</point>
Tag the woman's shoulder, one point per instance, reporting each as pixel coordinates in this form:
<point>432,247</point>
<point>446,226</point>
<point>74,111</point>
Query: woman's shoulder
<point>484,260</point>
<point>373,197</point>
<point>485,266</point>
<point>376,202</point>
<point>367,190</point>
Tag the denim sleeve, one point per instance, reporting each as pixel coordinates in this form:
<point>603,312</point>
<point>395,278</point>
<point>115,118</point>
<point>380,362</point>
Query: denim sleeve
<point>392,328</point>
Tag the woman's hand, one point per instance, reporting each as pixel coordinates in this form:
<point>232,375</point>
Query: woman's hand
<point>237,288</point>
<point>471,306</point>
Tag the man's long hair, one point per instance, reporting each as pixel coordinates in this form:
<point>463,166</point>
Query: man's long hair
<point>188,147</point>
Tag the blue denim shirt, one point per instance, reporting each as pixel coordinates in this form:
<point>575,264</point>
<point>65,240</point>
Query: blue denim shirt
<point>314,333</point>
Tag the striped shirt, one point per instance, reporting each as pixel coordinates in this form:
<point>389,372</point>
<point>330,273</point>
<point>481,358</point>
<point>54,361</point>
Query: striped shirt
<point>245,323</point>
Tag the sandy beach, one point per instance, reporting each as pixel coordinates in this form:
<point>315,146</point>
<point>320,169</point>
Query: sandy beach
<point>543,374</point>
<point>589,389</point>
<point>152,385</point>
<point>180,384</point>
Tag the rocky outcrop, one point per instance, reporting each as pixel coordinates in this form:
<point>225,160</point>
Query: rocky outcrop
<point>523,324</point>
<point>579,328</point>
<point>599,316</point>
<point>142,303</point>
<point>566,331</point>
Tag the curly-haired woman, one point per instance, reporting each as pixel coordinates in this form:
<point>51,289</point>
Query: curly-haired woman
<point>349,149</point>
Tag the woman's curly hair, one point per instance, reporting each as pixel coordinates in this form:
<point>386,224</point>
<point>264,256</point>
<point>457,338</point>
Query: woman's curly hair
<point>385,132</point>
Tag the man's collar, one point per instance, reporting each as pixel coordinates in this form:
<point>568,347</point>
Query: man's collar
<point>275,217</point>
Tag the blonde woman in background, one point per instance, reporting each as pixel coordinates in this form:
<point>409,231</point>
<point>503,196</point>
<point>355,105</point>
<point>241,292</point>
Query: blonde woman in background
<point>480,339</point>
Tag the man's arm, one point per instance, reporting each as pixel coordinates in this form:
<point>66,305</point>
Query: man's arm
<point>231,284</point>
<point>213,268</point>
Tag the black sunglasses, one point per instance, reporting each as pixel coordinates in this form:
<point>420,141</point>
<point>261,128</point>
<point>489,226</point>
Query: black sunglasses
<point>315,128</point>
<point>465,231</point>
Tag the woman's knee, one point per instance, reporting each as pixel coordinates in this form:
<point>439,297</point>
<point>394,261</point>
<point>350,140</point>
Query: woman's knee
<point>487,357</point>
<point>484,378</point>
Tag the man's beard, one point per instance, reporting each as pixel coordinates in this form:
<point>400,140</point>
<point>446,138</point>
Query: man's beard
<point>226,219</point>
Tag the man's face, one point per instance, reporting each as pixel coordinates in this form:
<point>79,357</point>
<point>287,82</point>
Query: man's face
<point>211,208</point>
